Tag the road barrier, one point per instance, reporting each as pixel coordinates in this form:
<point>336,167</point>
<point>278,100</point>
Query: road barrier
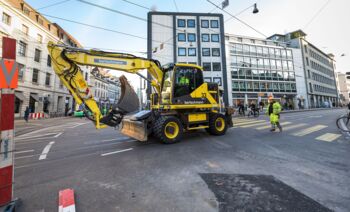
<point>66,202</point>
<point>36,115</point>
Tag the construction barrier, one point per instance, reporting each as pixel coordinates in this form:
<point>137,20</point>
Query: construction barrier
<point>66,202</point>
<point>8,81</point>
<point>36,115</point>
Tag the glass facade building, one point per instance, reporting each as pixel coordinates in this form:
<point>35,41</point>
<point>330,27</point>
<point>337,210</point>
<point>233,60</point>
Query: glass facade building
<point>258,69</point>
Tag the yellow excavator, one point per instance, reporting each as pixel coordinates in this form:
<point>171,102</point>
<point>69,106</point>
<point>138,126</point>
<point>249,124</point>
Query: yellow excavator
<point>181,100</point>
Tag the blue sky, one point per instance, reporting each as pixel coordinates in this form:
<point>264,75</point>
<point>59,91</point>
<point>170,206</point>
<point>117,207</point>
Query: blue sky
<point>329,31</point>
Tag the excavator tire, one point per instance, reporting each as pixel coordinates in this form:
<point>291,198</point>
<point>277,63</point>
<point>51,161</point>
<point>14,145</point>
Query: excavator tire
<point>168,129</point>
<point>217,124</point>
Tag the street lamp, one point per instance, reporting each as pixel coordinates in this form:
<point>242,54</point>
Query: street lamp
<point>255,9</point>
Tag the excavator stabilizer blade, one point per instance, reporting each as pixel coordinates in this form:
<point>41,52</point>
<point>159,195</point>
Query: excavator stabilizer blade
<point>134,129</point>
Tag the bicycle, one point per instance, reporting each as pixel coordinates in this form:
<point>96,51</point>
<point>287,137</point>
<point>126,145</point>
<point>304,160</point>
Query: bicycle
<point>252,113</point>
<point>343,122</point>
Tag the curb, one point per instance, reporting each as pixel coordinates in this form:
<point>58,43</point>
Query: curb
<point>66,202</point>
<point>306,110</point>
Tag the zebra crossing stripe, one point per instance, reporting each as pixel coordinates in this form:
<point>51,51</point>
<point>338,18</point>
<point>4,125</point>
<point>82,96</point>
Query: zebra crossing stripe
<point>255,124</point>
<point>293,126</point>
<point>329,137</point>
<point>248,122</point>
<point>309,130</point>
<point>269,125</point>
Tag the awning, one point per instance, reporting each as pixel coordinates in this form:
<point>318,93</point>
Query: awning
<point>20,96</point>
<point>35,97</point>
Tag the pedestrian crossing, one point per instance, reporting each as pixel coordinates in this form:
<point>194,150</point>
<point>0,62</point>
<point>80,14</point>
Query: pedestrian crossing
<point>294,129</point>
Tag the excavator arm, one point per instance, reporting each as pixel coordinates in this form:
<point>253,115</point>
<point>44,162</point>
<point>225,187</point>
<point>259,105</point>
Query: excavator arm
<point>66,61</point>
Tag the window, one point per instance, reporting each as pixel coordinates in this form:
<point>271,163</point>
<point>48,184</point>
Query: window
<point>48,61</point>
<point>192,52</point>
<point>181,37</point>
<point>21,69</point>
<point>216,52</point>
<point>290,65</point>
<point>205,37</point>
<point>305,48</point>
<point>204,23</point>
<point>214,24</point>
<point>40,21</point>
<point>48,79</point>
<point>207,79</point>
<point>191,23</point>
<point>310,86</point>
<point>308,74</point>
<point>25,29</point>
<point>207,66</point>
<point>181,52</point>
<point>40,38</point>
<point>206,52</point>
<point>26,10</point>
<point>22,48</point>
<point>35,77</point>
<point>37,55</point>
<point>181,23</point>
<point>191,37</point>
<point>217,80</point>
<point>6,18</point>
<point>216,66</point>
<point>214,37</point>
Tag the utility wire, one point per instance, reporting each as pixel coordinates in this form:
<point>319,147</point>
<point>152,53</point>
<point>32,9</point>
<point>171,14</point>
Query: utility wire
<point>237,19</point>
<point>177,9</point>
<point>139,5</point>
<point>54,4</point>
<point>316,14</point>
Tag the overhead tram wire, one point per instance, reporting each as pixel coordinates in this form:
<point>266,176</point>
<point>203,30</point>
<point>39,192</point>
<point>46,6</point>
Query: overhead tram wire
<point>177,9</point>
<point>316,14</point>
<point>54,4</point>
<point>238,19</point>
<point>130,2</point>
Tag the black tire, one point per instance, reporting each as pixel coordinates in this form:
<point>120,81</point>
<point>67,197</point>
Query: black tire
<point>214,128</point>
<point>345,127</point>
<point>162,127</point>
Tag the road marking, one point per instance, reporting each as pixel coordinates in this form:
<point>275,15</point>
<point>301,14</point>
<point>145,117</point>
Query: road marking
<point>34,136</point>
<point>309,130</point>
<point>24,151</point>
<point>56,136</point>
<point>329,137</point>
<point>269,125</point>
<point>46,150</point>
<point>27,156</point>
<point>248,122</point>
<point>254,125</point>
<point>293,126</point>
<point>115,152</point>
<point>77,125</point>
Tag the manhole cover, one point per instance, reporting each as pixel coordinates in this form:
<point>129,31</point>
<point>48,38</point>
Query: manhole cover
<point>257,193</point>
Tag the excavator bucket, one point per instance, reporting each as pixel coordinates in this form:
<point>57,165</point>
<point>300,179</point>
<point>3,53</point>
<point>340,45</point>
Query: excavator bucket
<point>128,104</point>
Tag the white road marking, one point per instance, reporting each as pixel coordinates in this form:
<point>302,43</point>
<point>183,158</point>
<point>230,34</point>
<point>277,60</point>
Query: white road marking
<point>309,130</point>
<point>115,152</point>
<point>293,126</point>
<point>34,136</point>
<point>77,125</point>
<point>46,150</point>
<point>248,122</point>
<point>27,156</point>
<point>56,136</point>
<point>329,137</point>
<point>254,124</point>
<point>24,151</point>
<point>268,125</point>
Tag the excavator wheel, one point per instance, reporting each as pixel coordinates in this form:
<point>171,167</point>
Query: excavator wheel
<point>168,129</point>
<point>217,124</point>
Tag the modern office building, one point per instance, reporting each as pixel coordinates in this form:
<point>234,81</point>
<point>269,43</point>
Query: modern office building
<point>318,67</point>
<point>194,38</point>
<point>343,88</point>
<point>258,69</point>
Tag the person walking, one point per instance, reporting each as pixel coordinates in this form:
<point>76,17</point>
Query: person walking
<point>26,114</point>
<point>273,111</point>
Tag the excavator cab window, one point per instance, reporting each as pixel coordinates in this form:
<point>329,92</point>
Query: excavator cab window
<point>166,89</point>
<point>187,79</point>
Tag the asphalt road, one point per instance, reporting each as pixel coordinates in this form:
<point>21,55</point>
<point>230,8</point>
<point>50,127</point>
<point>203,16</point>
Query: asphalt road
<point>308,162</point>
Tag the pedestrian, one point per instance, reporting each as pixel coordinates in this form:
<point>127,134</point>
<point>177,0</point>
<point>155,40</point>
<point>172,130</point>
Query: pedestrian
<point>241,109</point>
<point>261,104</point>
<point>273,111</point>
<point>26,114</point>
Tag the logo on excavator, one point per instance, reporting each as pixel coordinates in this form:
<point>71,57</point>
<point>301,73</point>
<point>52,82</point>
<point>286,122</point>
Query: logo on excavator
<point>116,62</point>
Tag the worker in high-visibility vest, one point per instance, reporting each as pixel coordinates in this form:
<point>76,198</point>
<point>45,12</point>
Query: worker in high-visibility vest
<point>184,80</point>
<point>273,111</point>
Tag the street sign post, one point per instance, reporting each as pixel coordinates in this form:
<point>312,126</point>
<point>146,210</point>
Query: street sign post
<point>8,81</point>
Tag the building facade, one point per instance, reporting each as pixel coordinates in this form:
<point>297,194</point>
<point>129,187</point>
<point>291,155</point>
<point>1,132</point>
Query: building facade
<point>343,88</point>
<point>38,88</point>
<point>193,38</point>
<point>258,69</point>
<point>319,69</point>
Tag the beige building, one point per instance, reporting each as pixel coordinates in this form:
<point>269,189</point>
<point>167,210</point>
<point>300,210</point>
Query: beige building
<point>38,88</point>
<point>343,87</point>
